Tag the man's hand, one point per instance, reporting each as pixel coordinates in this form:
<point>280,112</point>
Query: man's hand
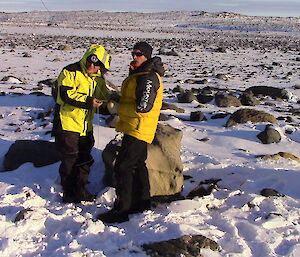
<point>97,103</point>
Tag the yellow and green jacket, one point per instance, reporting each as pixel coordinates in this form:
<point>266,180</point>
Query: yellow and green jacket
<point>141,101</point>
<point>76,90</point>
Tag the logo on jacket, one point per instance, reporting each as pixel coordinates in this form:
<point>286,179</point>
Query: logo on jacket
<point>146,95</point>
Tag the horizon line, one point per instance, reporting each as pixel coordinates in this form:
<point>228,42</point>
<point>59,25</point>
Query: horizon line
<point>154,12</point>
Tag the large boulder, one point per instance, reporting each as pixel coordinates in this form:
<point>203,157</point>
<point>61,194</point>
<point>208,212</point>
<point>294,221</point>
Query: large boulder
<point>39,152</point>
<point>249,115</point>
<point>163,162</point>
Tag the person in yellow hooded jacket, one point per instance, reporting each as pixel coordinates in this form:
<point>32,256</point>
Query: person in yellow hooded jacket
<point>80,90</point>
<point>139,110</point>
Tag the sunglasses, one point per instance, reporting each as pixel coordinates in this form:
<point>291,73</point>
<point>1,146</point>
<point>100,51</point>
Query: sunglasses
<point>137,54</point>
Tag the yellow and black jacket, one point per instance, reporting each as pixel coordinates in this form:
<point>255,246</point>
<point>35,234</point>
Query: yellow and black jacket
<point>141,101</point>
<point>76,90</point>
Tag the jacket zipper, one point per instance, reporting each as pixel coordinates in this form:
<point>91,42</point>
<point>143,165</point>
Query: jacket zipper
<point>87,111</point>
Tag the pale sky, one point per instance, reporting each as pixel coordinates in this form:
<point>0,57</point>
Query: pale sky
<point>248,7</point>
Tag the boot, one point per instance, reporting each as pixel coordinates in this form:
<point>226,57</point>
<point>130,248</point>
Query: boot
<point>70,198</point>
<point>140,206</point>
<point>84,195</point>
<point>69,195</point>
<point>113,216</point>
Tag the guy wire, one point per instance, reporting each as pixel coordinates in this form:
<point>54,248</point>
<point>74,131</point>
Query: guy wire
<point>45,6</point>
<point>49,12</point>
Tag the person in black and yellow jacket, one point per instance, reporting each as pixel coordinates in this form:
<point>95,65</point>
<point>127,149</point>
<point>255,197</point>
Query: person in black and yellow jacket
<point>139,110</point>
<point>81,89</point>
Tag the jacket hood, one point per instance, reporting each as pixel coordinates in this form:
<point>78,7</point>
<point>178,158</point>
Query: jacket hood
<point>152,65</point>
<point>101,54</point>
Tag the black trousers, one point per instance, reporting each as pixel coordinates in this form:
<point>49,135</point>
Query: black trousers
<point>76,159</point>
<point>131,174</point>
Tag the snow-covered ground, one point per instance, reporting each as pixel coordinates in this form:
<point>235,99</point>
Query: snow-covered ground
<point>235,215</point>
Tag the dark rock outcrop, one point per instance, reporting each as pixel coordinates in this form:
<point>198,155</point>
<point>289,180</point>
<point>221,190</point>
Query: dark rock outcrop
<point>39,152</point>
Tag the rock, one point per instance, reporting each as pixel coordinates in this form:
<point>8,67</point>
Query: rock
<point>295,111</point>
<point>64,47</point>
<point>219,116</point>
<point>201,81</point>
<point>178,89</point>
<point>279,155</point>
<point>270,104</point>
<point>167,52</point>
<point>197,116</point>
<point>200,191</point>
<point>38,93</point>
<point>163,162</point>
<point>289,119</point>
<point>222,76</point>
<point>248,99</point>
<point>249,115</point>
<point>26,54</point>
<point>186,97</point>
<point>204,139</point>
<point>207,90</point>
<point>167,106</point>
<point>267,192</point>
<point>39,152</point>
<point>268,91</point>
<point>163,117</point>
<point>12,79</point>
<point>269,135</point>
<point>227,100</point>
<point>204,99</point>
<point>221,50</point>
<point>204,188</point>
<point>21,215</point>
<point>187,246</point>
<point>48,82</point>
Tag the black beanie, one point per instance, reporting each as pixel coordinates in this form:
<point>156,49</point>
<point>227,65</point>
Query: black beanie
<point>145,48</point>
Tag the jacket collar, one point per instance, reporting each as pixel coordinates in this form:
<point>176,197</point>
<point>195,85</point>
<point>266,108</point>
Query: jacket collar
<point>152,65</point>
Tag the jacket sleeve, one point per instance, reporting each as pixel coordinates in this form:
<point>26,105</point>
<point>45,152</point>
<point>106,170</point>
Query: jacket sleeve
<point>69,94</point>
<point>101,91</point>
<point>146,91</point>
